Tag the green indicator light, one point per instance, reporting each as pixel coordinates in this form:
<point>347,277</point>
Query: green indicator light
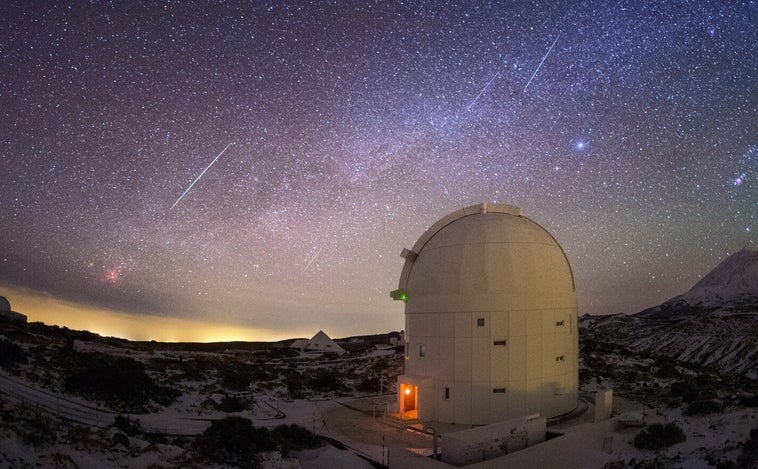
<point>399,294</point>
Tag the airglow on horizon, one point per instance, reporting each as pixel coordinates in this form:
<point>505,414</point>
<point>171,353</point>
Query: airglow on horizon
<point>50,310</point>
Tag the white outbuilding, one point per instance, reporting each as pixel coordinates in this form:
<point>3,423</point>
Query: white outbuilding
<point>319,343</point>
<point>490,320</point>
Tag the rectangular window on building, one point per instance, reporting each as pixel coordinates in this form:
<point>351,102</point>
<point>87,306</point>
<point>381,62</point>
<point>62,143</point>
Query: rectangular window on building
<point>559,324</point>
<point>559,358</point>
<point>480,322</point>
<point>500,343</point>
<point>498,390</point>
<point>421,350</point>
<point>447,393</point>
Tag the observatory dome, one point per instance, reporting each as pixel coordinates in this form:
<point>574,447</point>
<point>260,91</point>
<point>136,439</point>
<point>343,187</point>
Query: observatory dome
<point>491,320</point>
<point>5,305</point>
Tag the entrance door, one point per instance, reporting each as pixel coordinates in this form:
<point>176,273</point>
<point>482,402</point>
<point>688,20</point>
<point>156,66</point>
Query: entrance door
<point>410,394</point>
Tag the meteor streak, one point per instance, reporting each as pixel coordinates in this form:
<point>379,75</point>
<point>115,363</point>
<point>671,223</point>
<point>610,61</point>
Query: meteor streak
<point>201,175</point>
<point>312,259</point>
<point>483,90</point>
<point>542,61</point>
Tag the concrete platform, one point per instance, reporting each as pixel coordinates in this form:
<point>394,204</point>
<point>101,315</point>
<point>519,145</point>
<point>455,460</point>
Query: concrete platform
<point>359,425</point>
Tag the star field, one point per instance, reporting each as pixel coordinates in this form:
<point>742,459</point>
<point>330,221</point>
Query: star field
<point>629,131</point>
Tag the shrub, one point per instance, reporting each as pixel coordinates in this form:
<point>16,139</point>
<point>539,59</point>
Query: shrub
<point>380,365</point>
<point>295,385</point>
<point>233,441</point>
<point>725,464</point>
<point>657,436</point>
<point>703,407</point>
<point>194,371</point>
<point>749,456</point>
<point>165,395</point>
<point>79,437</point>
<point>127,425</point>
<point>263,373</point>
<point>585,375</point>
<point>687,391</point>
<point>283,352</point>
<point>326,381</point>
<point>231,404</point>
<point>38,431</point>
<point>294,438</point>
<point>236,380</point>
<point>208,404</point>
<point>10,354</point>
<point>664,367</point>
<point>368,385</point>
<point>62,460</point>
<point>122,379</point>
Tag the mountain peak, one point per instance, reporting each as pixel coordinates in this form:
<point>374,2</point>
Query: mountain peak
<point>733,284</point>
<point>735,279</point>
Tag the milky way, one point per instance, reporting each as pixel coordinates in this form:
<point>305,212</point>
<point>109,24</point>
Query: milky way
<point>633,139</point>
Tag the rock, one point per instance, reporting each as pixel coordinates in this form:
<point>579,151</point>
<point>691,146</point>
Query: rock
<point>119,438</point>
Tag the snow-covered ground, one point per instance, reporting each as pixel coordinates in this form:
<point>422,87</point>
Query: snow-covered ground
<point>79,432</point>
<point>41,425</point>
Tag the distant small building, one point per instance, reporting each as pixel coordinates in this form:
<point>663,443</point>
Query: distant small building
<point>398,339</point>
<point>319,343</point>
<point>7,313</point>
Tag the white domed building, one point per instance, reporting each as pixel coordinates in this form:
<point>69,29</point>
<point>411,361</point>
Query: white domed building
<point>7,313</point>
<point>490,321</point>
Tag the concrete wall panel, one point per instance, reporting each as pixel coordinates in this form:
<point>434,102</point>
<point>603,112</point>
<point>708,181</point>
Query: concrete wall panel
<point>463,359</point>
<point>462,402</point>
<point>480,403</point>
<point>481,351</point>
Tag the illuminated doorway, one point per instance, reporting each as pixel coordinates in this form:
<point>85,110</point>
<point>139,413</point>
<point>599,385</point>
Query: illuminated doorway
<point>409,401</point>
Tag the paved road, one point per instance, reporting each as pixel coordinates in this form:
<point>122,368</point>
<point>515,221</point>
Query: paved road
<point>70,408</point>
<point>64,407</point>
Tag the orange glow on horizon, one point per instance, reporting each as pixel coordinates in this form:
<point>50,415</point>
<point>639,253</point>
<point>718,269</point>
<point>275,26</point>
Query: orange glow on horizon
<point>50,310</point>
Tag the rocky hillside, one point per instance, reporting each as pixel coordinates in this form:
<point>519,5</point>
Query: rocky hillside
<point>713,324</point>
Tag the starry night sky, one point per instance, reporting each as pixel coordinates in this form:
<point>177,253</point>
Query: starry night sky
<point>629,131</point>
